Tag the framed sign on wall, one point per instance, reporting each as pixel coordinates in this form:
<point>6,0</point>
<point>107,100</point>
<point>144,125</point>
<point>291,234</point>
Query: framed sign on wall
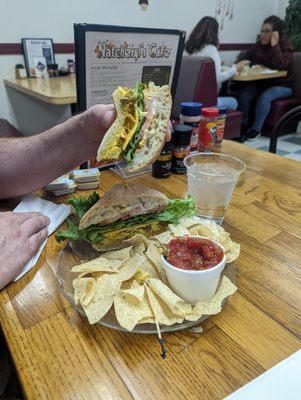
<point>111,56</point>
<point>38,53</point>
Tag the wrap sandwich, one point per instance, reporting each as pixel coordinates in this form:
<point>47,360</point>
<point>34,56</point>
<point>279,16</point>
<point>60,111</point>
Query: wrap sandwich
<point>139,130</point>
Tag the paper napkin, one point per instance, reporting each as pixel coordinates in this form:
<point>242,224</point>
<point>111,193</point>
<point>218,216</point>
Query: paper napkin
<point>57,214</point>
<point>278,383</point>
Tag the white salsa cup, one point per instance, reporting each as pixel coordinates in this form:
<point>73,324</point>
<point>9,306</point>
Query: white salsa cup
<point>192,285</point>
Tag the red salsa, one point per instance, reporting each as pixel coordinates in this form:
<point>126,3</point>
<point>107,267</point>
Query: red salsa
<point>191,253</point>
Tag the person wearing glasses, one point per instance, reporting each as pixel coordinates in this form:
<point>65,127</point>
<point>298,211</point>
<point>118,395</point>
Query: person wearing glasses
<point>203,41</point>
<point>272,50</point>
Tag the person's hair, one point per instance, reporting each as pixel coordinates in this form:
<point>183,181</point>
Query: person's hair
<point>205,32</point>
<point>276,22</point>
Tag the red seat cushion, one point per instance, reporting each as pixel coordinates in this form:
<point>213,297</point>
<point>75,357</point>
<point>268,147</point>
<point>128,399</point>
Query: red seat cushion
<point>279,108</point>
<point>233,124</point>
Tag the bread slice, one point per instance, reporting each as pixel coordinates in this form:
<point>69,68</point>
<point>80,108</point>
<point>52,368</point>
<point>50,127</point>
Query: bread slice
<point>123,201</point>
<point>121,131</point>
<point>152,138</point>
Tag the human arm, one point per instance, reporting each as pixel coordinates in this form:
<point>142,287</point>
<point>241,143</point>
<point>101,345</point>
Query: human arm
<point>280,56</point>
<point>247,54</point>
<point>21,235</point>
<point>29,163</point>
<point>220,76</point>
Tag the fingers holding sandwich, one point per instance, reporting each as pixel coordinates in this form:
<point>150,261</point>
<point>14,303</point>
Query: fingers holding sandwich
<point>141,126</point>
<point>168,132</point>
<point>99,119</point>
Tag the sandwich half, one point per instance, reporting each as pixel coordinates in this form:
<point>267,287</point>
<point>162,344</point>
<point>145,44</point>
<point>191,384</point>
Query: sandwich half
<point>125,210</point>
<point>138,133</point>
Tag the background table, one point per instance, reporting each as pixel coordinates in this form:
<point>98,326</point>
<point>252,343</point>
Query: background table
<point>258,76</point>
<point>59,356</point>
<point>59,90</point>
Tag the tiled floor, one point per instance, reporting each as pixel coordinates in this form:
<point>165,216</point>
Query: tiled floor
<point>288,146</point>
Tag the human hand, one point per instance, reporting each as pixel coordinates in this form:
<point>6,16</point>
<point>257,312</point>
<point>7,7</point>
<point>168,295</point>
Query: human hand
<point>21,235</point>
<point>274,38</point>
<point>241,64</point>
<point>98,120</point>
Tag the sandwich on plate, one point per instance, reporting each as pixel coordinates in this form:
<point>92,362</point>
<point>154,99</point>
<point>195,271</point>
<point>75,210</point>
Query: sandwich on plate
<point>138,133</point>
<point>124,211</point>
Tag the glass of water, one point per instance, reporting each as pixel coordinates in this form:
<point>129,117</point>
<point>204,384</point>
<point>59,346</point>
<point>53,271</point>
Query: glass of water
<point>212,178</point>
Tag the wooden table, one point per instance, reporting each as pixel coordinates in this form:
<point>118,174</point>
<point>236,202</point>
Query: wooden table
<point>60,90</point>
<point>59,356</point>
<point>253,76</point>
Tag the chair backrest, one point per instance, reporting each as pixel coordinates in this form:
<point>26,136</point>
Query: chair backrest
<point>197,82</point>
<point>297,74</point>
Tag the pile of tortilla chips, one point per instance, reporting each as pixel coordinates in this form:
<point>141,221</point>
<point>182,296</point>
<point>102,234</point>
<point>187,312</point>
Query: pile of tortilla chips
<point>133,280</point>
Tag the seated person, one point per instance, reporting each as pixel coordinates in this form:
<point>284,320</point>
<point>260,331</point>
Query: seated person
<point>273,50</point>
<point>203,41</point>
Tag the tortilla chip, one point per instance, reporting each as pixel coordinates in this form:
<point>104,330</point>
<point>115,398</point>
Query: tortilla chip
<point>99,264</point>
<point>135,284</point>
<point>132,306</point>
<point>160,310</point>
<point>154,254</point>
<point>148,268</point>
<point>178,230</point>
<point>147,321</point>
<point>190,221</point>
<point>130,267</point>
<point>106,288</point>
<point>202,230</point>
<point>214,305</point>
<point>122,254</point>
<point>139,243</point>
<point>136,292</point>
<point>177,305</point>
<point>164,237</point>
<point>84,290</point>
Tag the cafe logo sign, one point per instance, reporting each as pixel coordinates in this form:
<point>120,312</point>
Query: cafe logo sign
<point>129,51</point>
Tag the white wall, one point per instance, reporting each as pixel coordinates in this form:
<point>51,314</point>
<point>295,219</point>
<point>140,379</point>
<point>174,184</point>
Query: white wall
<point>282,7</point>
<point>32,18</point>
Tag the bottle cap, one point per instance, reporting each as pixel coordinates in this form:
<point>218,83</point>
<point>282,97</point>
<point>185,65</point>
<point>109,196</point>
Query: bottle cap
<point>182,135</point>
<point>210,112</point>
<point>222,110</point>
<point>191,108</point>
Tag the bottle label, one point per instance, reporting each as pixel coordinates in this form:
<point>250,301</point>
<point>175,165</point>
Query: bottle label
<point>194,141</point>
<point>178,156</point>
<point>208,134</point>
<point>220,131</point>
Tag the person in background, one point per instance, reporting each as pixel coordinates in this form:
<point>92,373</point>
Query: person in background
<point>203,41</point>
<point>273,50</point>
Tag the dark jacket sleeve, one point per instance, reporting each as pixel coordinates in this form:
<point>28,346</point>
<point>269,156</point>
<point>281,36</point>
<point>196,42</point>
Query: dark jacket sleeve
<point>280,57</point>
<point>247,54</point>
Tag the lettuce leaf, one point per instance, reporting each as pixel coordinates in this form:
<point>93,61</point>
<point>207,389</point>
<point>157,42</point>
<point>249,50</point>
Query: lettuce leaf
<point>173,212</point>
<point>131,147</point>
<point>83,204</point>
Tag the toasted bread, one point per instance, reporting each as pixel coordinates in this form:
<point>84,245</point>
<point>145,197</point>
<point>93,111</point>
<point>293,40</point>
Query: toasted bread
<point>123,201</point>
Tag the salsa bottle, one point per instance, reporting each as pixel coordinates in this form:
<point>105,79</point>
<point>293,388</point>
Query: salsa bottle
<point>191,115</point>
<point>181,147</point>
<point>208,129</point>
